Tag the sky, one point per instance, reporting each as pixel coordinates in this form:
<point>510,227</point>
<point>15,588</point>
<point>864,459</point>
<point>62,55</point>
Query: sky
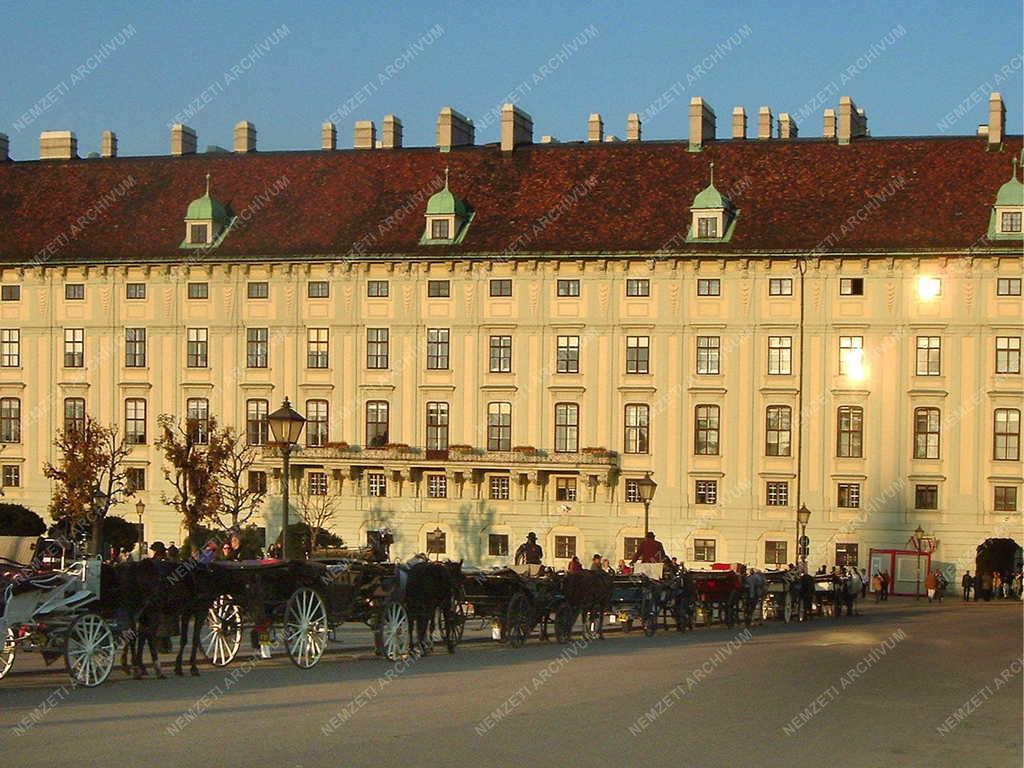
<point>917,68</point>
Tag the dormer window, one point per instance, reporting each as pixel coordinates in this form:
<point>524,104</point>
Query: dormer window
<point>712,215</point>
<point>439,229</point>
<point>206,222</point>
<point>707,226</point>
<point>199,234</point>
<point>1011,221</point>
<point>447,217</point>
<point>1008,212</point>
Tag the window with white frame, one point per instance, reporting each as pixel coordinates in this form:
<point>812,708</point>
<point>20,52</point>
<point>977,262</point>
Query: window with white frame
<point>847,555</point>
<point>499,487</point>
<point>197,347</point>
<point>257,428</point>
<point>1007,434</point>
<point>780,286</point>
<point>437,426</point>
<point>1005,498</point>
<point>848,495</point>
<point>74,291</point>
<point>10,348</point>
<point>778,426</point>
<point>780,355</point>
<point>316,423</point>
<point>317,347</point>
<point>565,547</point>
<point>317,483</point>
<point>1007,354</point>
<point>777,493</point>
<point>708,355</point>
<point>318,289</point>
<point>851,286</point>
<point>706,491</point>
<point>376,423</point>
<point>257,347</point>
<point>1008,286</point>
<point>929,355</point>
<point>376,484</point>
<point>74,414</point>
<point>637,428</point>
<point>437,349</point>
<point>709,286</point>
<point>11,476</point>
<point>258,290</point>
<point>851,354</point>
<point>377,348</point>
<point>135,421</point>
<point>705,426</point>
<point>850,431</point>
<point>377,289</point>
<point>704,550</point>
<point>632,492</point>
<point>497,545</point>
<point>1010,221</point>
<point>638,354</point>
<point>927,433</point>
<point>198,290</point>
<point>501,354</point>
<point>568,354</point>
<point>568,288</point>
<point>74,347</point>
<point>567,427</point>
<point>638,286</point>
<point>135,347</point>
<point>499,426</point>
<point>135,291</point>
<point>775,552</point>
<point>197,419</point>
<point>10,420</point>
<point>565,489</point>
<point>437,486</point>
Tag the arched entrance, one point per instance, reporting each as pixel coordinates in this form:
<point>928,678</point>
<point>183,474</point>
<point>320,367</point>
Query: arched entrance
<point>1002,555</point>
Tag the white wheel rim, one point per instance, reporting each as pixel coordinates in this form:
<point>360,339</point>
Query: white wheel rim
<point>7,654</point>
<point>90,650</point>
<point>305,628</point>
<point>222,635</point>
<point>395,632</point>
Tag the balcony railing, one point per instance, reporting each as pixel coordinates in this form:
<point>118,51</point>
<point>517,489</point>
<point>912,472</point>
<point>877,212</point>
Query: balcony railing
<point>453,455</point>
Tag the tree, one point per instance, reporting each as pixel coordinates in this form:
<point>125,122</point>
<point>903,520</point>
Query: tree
<point>91,476</point>
<point>193,454</point>
<point>119,533</point>
<point>16,520</point>
<point>239,500</point>
<point>317,511</point>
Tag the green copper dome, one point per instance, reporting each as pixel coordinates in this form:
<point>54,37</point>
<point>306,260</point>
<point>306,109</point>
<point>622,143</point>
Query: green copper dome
<point>710,197</point>
<point>1012,192</point>
<point>444,203</point>
<point>206,208</point>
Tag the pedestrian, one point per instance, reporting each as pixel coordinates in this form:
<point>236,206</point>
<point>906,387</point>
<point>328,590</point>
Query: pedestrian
<point>172,552</point>
<point>863,583</point>
<point>997,584</point>
<point>965,583</point>
<point>575,565</point>
<point>885,585</point>
<point>876,585</point>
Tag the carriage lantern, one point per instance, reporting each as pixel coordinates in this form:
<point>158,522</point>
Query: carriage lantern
<point>803,516</point>
<point>646,487</point>
<point>286,425</point>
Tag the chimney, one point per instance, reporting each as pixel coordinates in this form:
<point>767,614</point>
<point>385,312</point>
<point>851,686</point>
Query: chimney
<point>595,128</point>
<point>828,126</point>
<point>983,130</point>
<point>516,127</point>
<point>183,140</point>
<point>996,119</point>
<point>5,147</point>
<point>610,138</point>
<point>364,135</point>
<point>546,139</point>
<point>108,144</point>
<point>853,122</point>
<point>787,126</point>
<point>329,136</point>
<point>764,123</point>
<point>862,123</point>
<point>702,123</point>
<point>58,145</point>
<point>633,127</point>
<point>245,137</point>
<point>391,133</point>
<point>739,123</point>
<point>454,130</point>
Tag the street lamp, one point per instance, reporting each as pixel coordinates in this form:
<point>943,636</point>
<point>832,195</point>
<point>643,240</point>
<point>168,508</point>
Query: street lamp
<point>140,507</point>
<point>646,488</point>
<point>918,537</point>
<point>803,516</point>
<point>286,425</point>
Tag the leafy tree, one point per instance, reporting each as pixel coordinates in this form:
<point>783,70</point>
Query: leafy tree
<point>91,476</point>
<point>16,520</point>
<point>193,455</point>
<point>118,532</point>
<point>239,501</point>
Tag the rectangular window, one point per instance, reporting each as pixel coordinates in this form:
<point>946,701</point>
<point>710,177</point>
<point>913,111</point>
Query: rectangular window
<point>197,419</point>
<point>10,348</point>
<point>11,476</point>
<point>135,421</point>
<point>565,547</point>
<point>501,287</point>
<point>199,290</point>
<point>568,354</point>
<point>376,484</point>
<point>377,289</point>
<point>1007,434</point>
<point>705,438</point>
<point>317,483</point>
<point>778,420</point>
<point>499,487</point>
<point>1007,354</point>
<point>1006,498</point>
<point>74,347</point>
<point>135,347</point>
<point>497,545</point>
<point>74,291</point>
<point>257,481</point>
<point>704,550</point>
<point>709,286</point>
<point>135,479</point>
<point>376,423</point>
<point>1011,221</point>
<point>777,494</point>
<point>318,289</point>
<point>850,432</point>
<point>437,349</point>
<point>847,555</point>
<point>708,355</point>
<point>926,497</point>
<point>775,553</point>
<point>74,414</point>
<point>851,286</point>
<point>926,433</point>
<point>637,286</point>
<point>565,489</point>
<point>377,348</point>
<point>198,234</point>
<point>851,354</point>
<point>135,291</point>
<point>197,347</point>
<point>630,545</point>
<point>567,428</point>
<point>257,429</point>
<point>437,486</point>
<point>439,289</point>
<point>10,420</point>
<point>706,491</point>
<point>568,287</point>
<point>638,354</point>
<point>316,423</point>
<point>317,348</point>
<point>780,286</point>
<point>780,355</point>
<point>10,293</point>
<point>501,354</point>
<point>258,290</point>
<point>848,496</point>
<point>437,426</point>
<point>707,226</point>
<point>929,355</point>
<point>499,426</point>
<point>439,229</point>
<point>257,347</point>
<point>1008,286</point>
<point>637,437</point>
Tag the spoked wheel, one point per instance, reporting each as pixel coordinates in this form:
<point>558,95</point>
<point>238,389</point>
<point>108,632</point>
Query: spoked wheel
<point>222,633</point>
<point>649,612</point>
<point>591,625</point>
<point>565,618</point>
<point>454,622</point>
<point>89,650</point>
<point>305,627</point>
<point>393,631</point>
<point>519,620</point>
<point>7,653</point>
<point>787,607</point>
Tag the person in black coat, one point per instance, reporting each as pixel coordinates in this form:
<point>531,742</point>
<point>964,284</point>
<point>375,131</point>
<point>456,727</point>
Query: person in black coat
<point>966,583</point>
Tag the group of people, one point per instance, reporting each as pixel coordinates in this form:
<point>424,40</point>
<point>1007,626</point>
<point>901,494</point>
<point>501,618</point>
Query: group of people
<point>231,549</point>
<point>995,585</point>
<point>650,550</point>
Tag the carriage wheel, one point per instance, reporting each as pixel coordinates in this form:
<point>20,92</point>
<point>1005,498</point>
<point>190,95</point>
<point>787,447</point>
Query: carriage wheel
<point>89,650</point>
<point>649,612</point>
<point>7,653</point>
<point>455,622</point>
<point>680,614</point>
<point>305,627</point>
<point>732,609</point>
<point>393,631</point>
<point>519,621</point>
<point>565,618</point>
<point>222,633</point>
<point>787,607</point>
<point>592,624</point>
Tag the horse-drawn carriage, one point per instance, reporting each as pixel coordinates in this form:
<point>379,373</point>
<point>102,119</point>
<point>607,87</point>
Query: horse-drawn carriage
<point>718,596</point>
<point>515,601</point>
<point>782,595</point>
<point>648,595</point>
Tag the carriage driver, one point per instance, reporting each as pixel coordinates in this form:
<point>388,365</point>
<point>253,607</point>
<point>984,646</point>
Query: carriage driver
<point>159,550</point>
<point>529,552</point>
<point>650,550</point>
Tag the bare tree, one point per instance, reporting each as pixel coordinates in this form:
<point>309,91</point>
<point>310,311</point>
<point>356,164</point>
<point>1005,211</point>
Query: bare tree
<point>317,510</point>
<point>239,499</point>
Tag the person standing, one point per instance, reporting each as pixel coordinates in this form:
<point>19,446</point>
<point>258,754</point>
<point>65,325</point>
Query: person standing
<point>863,583</point>
<point>876,585</point>
<point>650,550</point>
<point>172,552</point>
<point>885,585</point>
<point>574,565</point>
<point>966,582</point>
<point>529,552</point>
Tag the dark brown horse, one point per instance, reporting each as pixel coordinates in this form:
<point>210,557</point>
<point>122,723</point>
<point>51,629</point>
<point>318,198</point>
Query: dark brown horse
<point>430,595</point>
<point>589,593</point>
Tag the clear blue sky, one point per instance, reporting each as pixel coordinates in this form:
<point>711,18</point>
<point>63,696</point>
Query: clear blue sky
<point>790,56</point>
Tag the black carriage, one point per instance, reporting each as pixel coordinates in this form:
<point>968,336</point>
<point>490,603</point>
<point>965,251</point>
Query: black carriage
<point>516,601</point>
<point>718,596</point>
<point>647,596</point>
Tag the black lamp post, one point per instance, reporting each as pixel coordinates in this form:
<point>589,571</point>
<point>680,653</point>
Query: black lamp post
<point>918,536</point>
<point>646,488</point>
<point>803,516</point>
<point>140,507</point>
<point>286,425</point>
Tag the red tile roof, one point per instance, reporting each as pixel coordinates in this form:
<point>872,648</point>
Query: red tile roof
<point>931,193</point>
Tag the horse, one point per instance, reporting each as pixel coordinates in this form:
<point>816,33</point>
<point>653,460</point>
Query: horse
<point>754,589</point>
<point>847,589</point>
<point>430,594</point>
<point>589,593</point>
